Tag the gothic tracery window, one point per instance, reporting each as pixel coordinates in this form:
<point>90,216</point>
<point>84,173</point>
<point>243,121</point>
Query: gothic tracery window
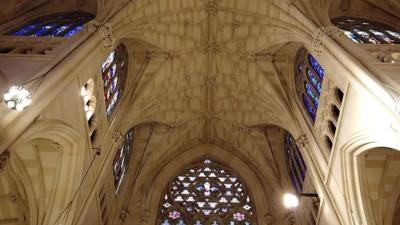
<point>367,31</point>
<point>114,72</point>
<point>55,25</point>
<point>295,162</point>
<point>122,159</point>
<point>309,77</point>
<point>204,194</point>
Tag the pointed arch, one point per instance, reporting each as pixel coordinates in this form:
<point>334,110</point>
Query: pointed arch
<point>194,155</point>
<point>206,193</point>
<point>54,152</point>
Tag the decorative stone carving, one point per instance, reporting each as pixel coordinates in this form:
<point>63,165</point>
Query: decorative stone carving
<point>107,37</point>
<point>302,141</point>
<point>4,158</point>
<point>320,34</point>
<point>171,55</point>
<point>212,7</point>
<point>211,47</point>
<point>90,27</point>
<point>385,53</point>
<point>290,218</point>
<point>117,136</point>
<point>145,217</point>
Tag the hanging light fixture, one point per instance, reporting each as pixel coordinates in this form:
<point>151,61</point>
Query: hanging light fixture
<point>18,98</point>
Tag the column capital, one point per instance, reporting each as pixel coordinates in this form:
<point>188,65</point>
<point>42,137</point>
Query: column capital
<point>320,34</point>
<point>117,136</point>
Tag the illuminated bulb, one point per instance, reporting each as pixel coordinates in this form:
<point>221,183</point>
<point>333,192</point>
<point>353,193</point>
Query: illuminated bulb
<point>19,107</point>
<point>290,200</point>
<point>13,90</point>
<point>7,96</point>
<point>83,91</point>
<point>18,98</point>
<point>11,104</point>
<point>86,98</point>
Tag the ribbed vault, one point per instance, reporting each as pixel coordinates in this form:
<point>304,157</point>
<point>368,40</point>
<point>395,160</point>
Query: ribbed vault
<point>210,70</point>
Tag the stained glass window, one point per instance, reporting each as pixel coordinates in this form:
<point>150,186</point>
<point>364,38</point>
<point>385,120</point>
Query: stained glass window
<point>113,71</point>
<point>122,158</point>
<point>55,25</point>
<point>367,31</point>
<point>295,162</point>
<point>309,77</point>
<point>205,194</point>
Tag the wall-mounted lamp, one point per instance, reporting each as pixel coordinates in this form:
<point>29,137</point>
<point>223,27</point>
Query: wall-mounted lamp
<point>291,200</point>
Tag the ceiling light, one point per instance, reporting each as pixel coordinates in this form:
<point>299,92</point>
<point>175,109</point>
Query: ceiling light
<point>18,98</point>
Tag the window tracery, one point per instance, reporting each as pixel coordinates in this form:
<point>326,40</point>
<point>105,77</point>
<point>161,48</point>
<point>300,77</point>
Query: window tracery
<point>309,77</point>
<point>362,30</point>
<point>55,25</point>
<point>295,162</point>
<point>114,71</point>
<point>122,159</point>
<point>204,194</point>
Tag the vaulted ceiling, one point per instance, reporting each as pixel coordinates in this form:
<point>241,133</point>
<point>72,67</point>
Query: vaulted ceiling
<point>211,77</point>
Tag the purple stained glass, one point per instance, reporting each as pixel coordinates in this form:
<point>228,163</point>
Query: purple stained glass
<point>121,160</point>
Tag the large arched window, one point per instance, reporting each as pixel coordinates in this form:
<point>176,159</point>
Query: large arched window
<point>114,72</point>
<point>309,77</point>
<point>122,158</point>
<point>295,162</point>
<point>205,194</point>
<point>55,25</point>
<point>367,31</point>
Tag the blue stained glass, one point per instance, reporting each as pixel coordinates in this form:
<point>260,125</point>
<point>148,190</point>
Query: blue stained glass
<point>27,29</point>
<point>316,66</point>
<point>45,29</point>
<point>312,95</point>
<point>71,32</point>
<point>61,29</point>
<point>309,107</point>
<point>352,36</point>
<point>314,81</point>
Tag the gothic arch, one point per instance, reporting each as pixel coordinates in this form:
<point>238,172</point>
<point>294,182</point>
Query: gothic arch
<point>220,155</point>
<point>56,148</point>
<point>355,168</point>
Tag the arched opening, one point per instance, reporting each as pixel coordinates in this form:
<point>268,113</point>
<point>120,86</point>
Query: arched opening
<point>379,182</point>
<point>300,180</point>
<point>206,193</point>
<point>114,71</point>
<point>309,75</point>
